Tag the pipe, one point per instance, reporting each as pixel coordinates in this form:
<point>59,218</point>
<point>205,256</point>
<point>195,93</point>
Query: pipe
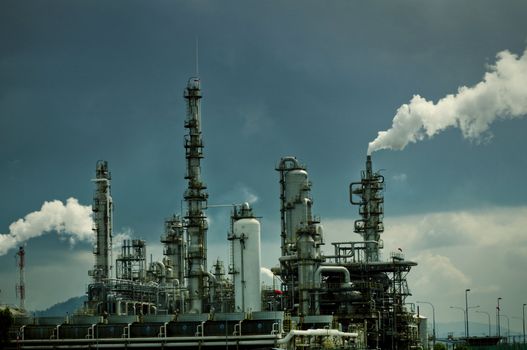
<point>289,159</point>
<point>316,332</point>
<point>162,271</point>
<point>318,280</point>
<point>212,286</point>
<point>342,269</point>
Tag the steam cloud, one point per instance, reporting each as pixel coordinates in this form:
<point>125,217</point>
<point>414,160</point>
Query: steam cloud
<point>72,220</point>
<point>501,95</point>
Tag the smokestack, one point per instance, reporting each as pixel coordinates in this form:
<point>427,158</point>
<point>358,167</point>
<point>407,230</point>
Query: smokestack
<point>367,194</point>
<point>21,286</point>
<point>502,94</point>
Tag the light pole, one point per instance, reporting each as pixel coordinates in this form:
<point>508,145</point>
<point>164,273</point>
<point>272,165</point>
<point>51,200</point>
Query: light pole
<point>524,323</point>
<point>464,315</point>
<point>508,327</point>
<point>498,320</point>
<point>518,318</point>
<point>488,315</point>
<point>433,321</point>
<point>466,310</point>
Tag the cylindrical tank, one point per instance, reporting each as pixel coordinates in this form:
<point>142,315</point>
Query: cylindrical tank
<point>246,264</point>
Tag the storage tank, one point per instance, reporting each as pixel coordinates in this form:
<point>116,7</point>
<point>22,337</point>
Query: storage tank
<point>246,260</point>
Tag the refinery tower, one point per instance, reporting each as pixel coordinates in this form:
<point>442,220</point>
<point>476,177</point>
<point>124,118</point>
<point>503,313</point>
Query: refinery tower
<point>353,297</point>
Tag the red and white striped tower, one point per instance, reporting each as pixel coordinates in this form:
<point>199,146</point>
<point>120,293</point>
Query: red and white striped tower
<point>21,286</point>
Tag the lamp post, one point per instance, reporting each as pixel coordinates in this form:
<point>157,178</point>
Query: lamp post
<point>498,320</point>
<point>466,310</point>
<point>464,315</point>
<point>518,318</point>
<point>524,323</point>
<point>488,315</point>
<point>433,321</point>
<point>508,327</point>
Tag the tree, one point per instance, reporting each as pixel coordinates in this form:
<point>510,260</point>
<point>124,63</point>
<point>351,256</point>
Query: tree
<point>439,346</point>
<point>6,320</point>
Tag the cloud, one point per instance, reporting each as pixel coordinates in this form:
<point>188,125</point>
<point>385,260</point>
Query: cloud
<point>400,177</point>
<point>484,250</point>
<point>71,220</point>
<point>502,94</point>
<point>435,272</point>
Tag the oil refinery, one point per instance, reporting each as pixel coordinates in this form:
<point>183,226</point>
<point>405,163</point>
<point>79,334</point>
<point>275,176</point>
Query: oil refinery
<point>353,298</point>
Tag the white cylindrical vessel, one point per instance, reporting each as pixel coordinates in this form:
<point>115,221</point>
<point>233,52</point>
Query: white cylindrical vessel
<point>246,264</point>
<point>297,202</point>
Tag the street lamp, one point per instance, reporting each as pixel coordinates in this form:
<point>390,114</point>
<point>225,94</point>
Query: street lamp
<point>466,310</point>
<point>508,327</point>
<point>498,320</point>
<point>433,321</point>
<point>483,312</point>
<point>524,323</point>
<point>464,315</point>
<point>518,318</point>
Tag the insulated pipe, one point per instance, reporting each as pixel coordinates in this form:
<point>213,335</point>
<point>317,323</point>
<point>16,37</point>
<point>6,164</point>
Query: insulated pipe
<point>289,159</point>
<point>318,280</point>
<point>212,286</point>
<point>161,267</point>
<point>342,269</point>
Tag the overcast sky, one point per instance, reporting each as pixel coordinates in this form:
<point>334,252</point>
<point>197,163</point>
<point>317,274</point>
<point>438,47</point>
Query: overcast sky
<point>87,80</point>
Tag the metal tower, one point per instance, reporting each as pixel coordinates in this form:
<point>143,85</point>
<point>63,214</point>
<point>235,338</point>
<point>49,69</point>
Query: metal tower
<point>196,199</point>
<point>370,202</point>
<point>102,217</point>
<point>174,246</point>
<point>21,286</point>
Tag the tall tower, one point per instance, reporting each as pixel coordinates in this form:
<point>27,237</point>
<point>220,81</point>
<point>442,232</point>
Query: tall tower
<point>196,198</point>
<point>370,201</point>
<point>301,235</point>
<point>21,286</point>
<point>102,217</point>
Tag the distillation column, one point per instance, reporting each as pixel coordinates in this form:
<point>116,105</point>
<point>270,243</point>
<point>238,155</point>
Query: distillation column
<point>102,218</point>
<point>196,198</point>
<point>174,247</point>
<point>301,234</point>
<point>370,201</point>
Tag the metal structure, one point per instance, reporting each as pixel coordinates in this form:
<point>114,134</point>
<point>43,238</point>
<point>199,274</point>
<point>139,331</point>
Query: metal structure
<point>102,217</point>
<point>350,298</point>
<point>21,286</point>
<point>370,201</point>
<point>196,199</point>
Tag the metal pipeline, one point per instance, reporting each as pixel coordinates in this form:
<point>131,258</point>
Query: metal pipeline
<point>316,332</point>
<point>324,268</point>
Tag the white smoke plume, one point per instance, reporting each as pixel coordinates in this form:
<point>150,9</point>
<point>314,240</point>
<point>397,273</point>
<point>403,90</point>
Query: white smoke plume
<point>71,220</point>
<point>502,94</point>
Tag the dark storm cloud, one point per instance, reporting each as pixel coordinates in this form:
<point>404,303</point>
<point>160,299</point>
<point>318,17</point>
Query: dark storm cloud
<point>88,80</point>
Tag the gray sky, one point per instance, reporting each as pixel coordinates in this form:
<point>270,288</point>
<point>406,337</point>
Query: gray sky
<point>87,80</point>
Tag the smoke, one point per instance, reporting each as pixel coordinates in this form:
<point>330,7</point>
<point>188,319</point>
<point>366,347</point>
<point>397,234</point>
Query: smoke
<point>502,94</point>
<point>71,221</point>
<point>266,272</point>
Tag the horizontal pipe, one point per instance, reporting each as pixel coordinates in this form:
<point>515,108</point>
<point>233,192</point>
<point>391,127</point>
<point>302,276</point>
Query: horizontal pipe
<point>316,332</point>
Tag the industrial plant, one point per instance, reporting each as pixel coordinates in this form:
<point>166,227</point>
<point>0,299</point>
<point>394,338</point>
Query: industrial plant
<point>351,298</point>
